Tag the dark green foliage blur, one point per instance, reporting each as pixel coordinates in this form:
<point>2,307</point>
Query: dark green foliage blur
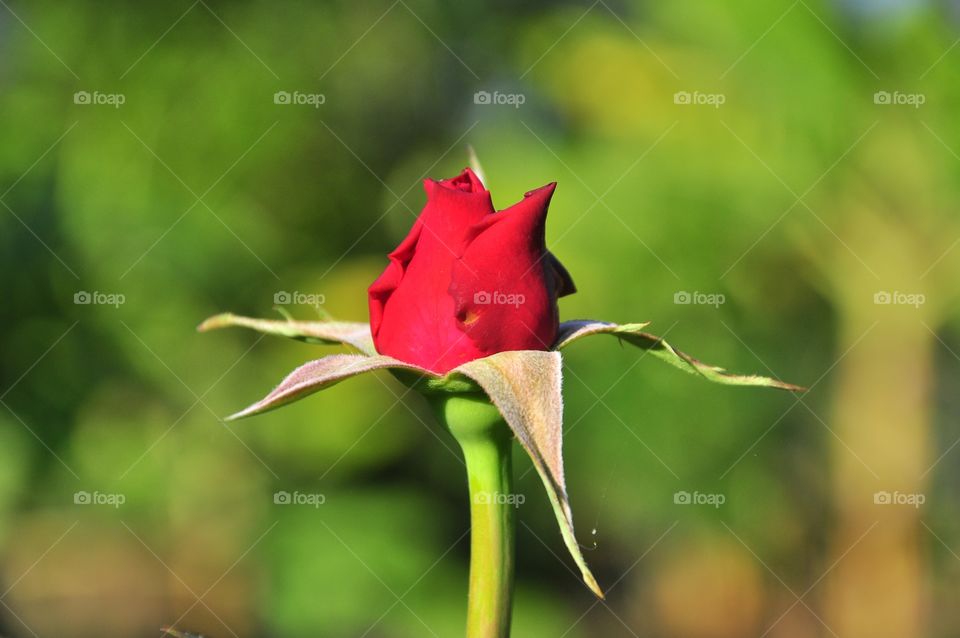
<point>200,193</point>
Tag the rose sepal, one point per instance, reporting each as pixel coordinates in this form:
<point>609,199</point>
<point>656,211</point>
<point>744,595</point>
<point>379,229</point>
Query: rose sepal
<point>523,385</point>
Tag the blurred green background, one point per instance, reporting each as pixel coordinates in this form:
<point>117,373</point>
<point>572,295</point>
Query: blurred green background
<point>799,161</point>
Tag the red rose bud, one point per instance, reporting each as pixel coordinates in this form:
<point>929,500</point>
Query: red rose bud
<point>469,281</point>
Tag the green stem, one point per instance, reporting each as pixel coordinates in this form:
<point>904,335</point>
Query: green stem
<point>486,442</point>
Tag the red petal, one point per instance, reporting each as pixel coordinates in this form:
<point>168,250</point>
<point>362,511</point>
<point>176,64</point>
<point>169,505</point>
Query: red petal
<point>504,287</point>
<point>381,289</point>
<point>450,211</point>
<point>467,181</point>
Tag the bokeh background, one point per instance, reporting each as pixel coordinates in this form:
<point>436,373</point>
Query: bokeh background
<point>790,166</point>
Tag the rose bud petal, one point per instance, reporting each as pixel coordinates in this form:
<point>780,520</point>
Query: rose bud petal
<point>468,281</point>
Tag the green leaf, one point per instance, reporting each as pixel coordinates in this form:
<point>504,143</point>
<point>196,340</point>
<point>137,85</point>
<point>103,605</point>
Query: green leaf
<point>525,387</point>
<point>571,331</point>
<point>323,373</point>
<point>352,333</point>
